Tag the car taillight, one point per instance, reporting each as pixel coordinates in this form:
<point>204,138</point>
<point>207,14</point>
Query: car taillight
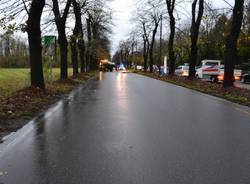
<point>237,78</point>
<point>221,77</point>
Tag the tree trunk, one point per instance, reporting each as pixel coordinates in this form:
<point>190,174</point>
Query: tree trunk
<point>193,57</point>
<point>62,38</point>
<point>151,56</point>
<point>63,44</point>
<point>94,56</point>
<point>160,51</point>
<point>194,35</point>
<point>74,55</point>
<point>89,49</point>
<point>147,51</point>
<point>146,46</point>
<point>81,47</point>
<point>78,34</point>
<point>145,54</point>
<point>231,46</point>
<point>7,45</point>
<point>171,53</point>
<point>35,47</point>
<point>132,55</point>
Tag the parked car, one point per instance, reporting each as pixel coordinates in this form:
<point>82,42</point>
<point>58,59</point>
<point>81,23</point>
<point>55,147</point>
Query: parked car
<point>182,70</point>
<point>245,67</point>
<point>213,70</point>
<point>208,68</point>
<point>155,69</point>
<point>162,70</point>
<point>246,77</point>
<point>237,74</point>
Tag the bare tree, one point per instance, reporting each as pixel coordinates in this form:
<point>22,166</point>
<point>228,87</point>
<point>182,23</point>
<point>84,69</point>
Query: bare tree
<point>77,40</point>
<point>98,20</point>
<point>62,38</point>
<point>125,48</point>
<point>171,53</point>
<point>146,46</point>
<point>89,43</point>
<point>133,43</point>
<point>144,30</point>
<point>231,45</point>
<point>156,21</point>
<point>148,17</point>
<point>13,13</point>
<point>81,42</point>
<point>35,48</point>
<point>196,21</point>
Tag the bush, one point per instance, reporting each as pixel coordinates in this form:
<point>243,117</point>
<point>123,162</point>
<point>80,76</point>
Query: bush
<point>14,61</point>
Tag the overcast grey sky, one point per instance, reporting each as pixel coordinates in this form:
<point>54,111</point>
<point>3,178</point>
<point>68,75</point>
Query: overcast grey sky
<point>123,10</point>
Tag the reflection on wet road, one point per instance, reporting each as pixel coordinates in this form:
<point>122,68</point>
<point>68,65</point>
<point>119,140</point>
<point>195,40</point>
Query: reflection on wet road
<point>128,129</point>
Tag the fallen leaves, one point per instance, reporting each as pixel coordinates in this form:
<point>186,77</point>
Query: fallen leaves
<point>234,94</point>
<point>29,101</point>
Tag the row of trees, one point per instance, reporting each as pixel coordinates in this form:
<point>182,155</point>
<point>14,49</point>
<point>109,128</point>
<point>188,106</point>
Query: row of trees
<point>13,51</point>
<point>82,24</point>
<point>207,33</point>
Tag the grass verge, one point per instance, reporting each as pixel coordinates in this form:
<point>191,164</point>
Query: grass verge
<point>233,94</point>
<point>14,79</point>
<point>27,102</point>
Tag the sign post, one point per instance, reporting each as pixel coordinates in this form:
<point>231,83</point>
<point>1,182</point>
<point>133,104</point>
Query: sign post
<point>49,46</point>
<point>165,65</point>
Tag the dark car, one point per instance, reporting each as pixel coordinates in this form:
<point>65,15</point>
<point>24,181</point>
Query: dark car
<point>246,77</point>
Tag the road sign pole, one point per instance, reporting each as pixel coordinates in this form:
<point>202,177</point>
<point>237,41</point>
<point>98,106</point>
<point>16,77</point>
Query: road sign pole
<point>165,65</point>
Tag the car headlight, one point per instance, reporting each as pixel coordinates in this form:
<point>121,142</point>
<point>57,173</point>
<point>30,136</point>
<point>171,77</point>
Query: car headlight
<point>185,74</point>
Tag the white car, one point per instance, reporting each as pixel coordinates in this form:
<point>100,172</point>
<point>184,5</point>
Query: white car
<point>138,67</point>
<point>237,74</point>
<point>182,70</point>
<point>208,69</point>
<point>212,70</point>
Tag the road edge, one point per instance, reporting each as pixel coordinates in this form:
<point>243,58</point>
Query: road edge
<point>218,96</point>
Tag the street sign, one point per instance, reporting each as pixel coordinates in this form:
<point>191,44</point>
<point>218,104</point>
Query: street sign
<point>48,40</point>
<point>49,51</point>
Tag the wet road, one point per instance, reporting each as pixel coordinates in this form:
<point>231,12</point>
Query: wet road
<point>129,129</point>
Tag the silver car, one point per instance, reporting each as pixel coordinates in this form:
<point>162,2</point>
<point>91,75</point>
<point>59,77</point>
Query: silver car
<point>182,70</point>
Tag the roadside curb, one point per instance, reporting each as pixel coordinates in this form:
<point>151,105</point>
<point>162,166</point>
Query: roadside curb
<point>225,97</point>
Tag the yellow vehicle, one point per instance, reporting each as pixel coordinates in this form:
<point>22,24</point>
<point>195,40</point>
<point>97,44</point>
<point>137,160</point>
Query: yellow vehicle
<point>106,66</point>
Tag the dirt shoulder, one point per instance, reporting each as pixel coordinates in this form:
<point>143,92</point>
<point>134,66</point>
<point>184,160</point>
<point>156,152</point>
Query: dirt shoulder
<point>18,109</point>
<point>233,94</point>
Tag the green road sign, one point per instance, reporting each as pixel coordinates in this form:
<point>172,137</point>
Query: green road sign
<point>48,40</point>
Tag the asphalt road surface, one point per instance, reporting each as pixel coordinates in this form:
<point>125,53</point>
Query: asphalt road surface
<point>129,129</point>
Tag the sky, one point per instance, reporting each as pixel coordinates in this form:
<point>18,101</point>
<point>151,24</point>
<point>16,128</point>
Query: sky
<point>122,13</point>
<point>123,10</point>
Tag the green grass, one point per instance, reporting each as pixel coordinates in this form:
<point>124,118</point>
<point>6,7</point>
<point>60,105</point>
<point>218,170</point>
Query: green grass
<point>12,80</point>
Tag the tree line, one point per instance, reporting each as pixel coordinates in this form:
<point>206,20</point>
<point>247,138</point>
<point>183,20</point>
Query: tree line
<point>13,51</point>
<point>208,32</point>
<point>83,28</point>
